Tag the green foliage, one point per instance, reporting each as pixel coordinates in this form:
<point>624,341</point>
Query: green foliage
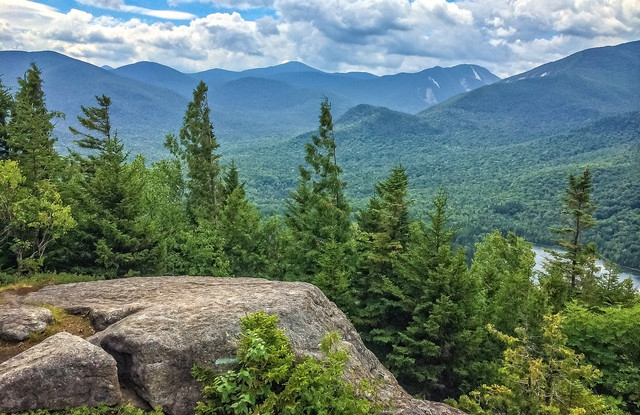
<point>578,218</point>
<point>573,273</point>
<point>196,147</point>
<point>383,309</point>
<point>549,378</point>
<point>504,267</point>
<point>30,217</point>
<point>6,105</point>
<point>609,338</point>
<point>268,379</point>
<point>434,356</point>
<point>96,121</point>
<point>317,218</point>
<point>30,129</point>
<point>100,410</point>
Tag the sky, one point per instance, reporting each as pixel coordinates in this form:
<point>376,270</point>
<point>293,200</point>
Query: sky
<point>378,36</point>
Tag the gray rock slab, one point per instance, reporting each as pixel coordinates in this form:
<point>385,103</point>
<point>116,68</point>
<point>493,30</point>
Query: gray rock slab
<point>18,322</point>
<point>158,328</point>
<point>63,370</point>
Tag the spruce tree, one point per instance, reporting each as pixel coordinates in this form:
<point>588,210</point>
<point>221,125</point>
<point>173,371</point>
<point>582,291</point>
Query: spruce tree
<point>114,236</point>
<point>97,123</point>
<point>30,129</point>
<point>6,104</point>
<point>232,181</point>
<point>383,309</point>
<point>578,213</point>
<point>571,271</point>
<point>435,355</point>
<point>123,242</point>
<point>504,267</point>
<point>318,214</point>
<point>196,147</point>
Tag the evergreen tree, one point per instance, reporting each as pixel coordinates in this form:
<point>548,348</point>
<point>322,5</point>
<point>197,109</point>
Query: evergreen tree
<point>504,267</point>
<point>115,235</point>
<point>435,355</point>
<point>30,131</point>
<point>232,181</point>
<point>382,308</point>
<point>97,122</point>
<point>123,241</point>
<point>197,147</point>
<point>6,104</point>
<point>578,212</point>
<point>318,214</point>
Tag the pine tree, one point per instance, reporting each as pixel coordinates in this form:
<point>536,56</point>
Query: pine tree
<point>6,105</point>
<point>197,147</point>
<point>318,214</point>
<point>30,131</point>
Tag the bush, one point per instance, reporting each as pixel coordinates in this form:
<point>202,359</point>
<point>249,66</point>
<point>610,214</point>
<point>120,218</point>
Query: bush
<point>268,380</point>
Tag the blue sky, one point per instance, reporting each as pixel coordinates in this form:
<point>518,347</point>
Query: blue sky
<point>378,36</point>
<point>197,9</point>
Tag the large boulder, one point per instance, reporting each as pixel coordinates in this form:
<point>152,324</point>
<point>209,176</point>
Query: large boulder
<point>64,370</point>
<point>18,322</point>
<point>158,328</point>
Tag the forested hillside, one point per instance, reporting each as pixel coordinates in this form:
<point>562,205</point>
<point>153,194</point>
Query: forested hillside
<point>502,150</point>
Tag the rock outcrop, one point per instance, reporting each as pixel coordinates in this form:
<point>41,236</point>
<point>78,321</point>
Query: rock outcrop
<point>18,322</point>
<point>158,328</point>
<point>64,370</point>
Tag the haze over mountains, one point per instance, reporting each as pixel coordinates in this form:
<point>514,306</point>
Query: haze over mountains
<point>149,99</point>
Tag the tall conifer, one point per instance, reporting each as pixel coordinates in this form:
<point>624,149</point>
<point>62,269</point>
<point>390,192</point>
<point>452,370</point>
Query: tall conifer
<point>30,130</point>
<point>318,214</point>
<point>434,355</point>
<point>197,146</point>
<point>381,293</point>
<point>97,123</point>
<point>6,104</point>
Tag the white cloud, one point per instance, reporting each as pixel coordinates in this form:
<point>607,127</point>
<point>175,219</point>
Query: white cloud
<point>380,36</point>
<point>235,4</point>
<point>120,5</point>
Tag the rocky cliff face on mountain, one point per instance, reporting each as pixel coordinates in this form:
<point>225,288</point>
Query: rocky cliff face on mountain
<point>156,329</point>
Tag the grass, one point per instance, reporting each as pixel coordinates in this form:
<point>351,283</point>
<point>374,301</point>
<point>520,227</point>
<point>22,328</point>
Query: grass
<point>62,321</point>
<point>36,281</point>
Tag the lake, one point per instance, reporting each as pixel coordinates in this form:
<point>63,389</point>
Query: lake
<point>541,255</point>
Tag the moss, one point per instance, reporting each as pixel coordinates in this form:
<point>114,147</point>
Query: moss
<point>62,321</point>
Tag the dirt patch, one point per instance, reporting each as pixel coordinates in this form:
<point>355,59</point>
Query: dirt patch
<point>13,295</point>
<point>74,324</point>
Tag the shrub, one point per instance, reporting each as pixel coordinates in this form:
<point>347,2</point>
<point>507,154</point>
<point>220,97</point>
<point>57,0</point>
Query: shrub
<point>269,380</point>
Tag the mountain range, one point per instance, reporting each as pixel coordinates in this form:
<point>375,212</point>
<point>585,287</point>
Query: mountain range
<point>503,151</point>
<point>149,99</point>
<point>502,148</point>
